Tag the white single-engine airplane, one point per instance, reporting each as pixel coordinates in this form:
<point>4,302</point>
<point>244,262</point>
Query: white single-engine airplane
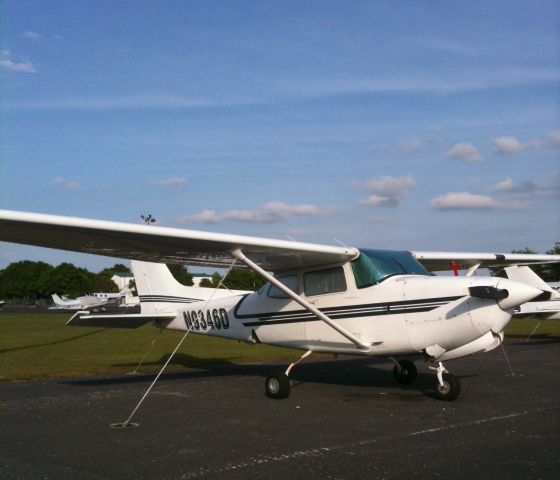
<point>85,301</point>
<point>320,299</point>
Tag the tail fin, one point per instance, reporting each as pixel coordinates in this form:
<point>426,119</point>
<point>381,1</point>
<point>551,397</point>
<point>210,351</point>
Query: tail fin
<point>159,291</point>
<point>56,299</point>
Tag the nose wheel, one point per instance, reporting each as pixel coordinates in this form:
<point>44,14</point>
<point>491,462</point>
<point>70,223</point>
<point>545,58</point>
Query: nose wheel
<point>446,386</point>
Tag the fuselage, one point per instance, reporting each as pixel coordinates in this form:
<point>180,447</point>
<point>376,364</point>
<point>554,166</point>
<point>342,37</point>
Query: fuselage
<point>402,315</point>
<point>381,303</point>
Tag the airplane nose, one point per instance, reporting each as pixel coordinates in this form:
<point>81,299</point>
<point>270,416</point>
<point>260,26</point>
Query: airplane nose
<point>518,293</point>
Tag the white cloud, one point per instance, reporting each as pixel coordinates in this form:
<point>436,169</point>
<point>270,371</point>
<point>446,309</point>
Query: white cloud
<point>504,186</point>
<point>551,141</point>
<point>378,201</point>
<point>464,151</point>
<point>387,191</point>
<point>29,35</point>
<point>510,145</point>
<point>67,184</point>
<point>170,182</point>
<point>555,139</point>
<point>271,212</point>
<point>527,188</point>
<point>7,63</point>
<point>204,216</point>
<point>471,201</point>
<point>507,145</point>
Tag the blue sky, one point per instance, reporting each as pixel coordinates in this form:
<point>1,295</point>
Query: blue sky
<point>405,125</point>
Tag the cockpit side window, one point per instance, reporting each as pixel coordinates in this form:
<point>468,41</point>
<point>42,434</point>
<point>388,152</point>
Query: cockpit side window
<point>291,281</point>
<point>321,282</point>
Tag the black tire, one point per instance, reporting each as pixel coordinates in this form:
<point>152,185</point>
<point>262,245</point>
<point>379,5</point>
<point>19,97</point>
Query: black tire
<point>450,389</point>
<point>277,385</point>
<point>405,373</point>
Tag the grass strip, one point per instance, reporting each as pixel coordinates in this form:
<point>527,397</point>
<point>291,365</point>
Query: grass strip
<point>38,346</point>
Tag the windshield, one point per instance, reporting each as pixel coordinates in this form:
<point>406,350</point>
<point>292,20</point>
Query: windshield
<point>374,266</point>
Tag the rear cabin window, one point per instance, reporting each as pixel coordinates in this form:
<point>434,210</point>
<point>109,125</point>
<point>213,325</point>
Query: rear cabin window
<point>326,281</point>
<point>291,281</point>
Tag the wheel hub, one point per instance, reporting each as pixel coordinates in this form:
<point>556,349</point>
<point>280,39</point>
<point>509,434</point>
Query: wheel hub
<point>273,385</point>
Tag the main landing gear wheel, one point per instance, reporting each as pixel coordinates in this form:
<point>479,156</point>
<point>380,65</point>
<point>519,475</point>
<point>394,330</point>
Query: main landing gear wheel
<point>405,372</point>
<point>277,385</point>
<point>449,390</point>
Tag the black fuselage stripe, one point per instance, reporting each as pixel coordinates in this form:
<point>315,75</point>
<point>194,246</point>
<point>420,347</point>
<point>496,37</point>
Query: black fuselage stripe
<point>167,299</point>
<point>352,311</point>
<point>400,303</point>
<point>334,317</point>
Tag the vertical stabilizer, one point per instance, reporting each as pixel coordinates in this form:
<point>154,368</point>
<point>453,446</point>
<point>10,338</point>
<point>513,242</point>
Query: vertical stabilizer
<point>524,274</point>
<point>160,292</point>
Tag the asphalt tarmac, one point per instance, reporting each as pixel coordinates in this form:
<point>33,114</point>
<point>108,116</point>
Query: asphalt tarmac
<point>344,419</point>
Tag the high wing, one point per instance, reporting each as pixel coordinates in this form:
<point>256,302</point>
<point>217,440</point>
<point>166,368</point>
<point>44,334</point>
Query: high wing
<point>162,244</point>
<point>440,261</point>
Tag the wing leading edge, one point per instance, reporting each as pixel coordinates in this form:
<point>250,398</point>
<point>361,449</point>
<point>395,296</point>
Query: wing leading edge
<point>162,244</point>
<point>173,245</point>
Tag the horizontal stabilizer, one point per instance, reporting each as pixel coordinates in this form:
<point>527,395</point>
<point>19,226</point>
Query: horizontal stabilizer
<point>85,319</point>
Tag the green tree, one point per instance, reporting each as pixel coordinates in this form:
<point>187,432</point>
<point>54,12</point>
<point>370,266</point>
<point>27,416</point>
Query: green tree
<point>216,279</point>
<point>70,280</point>
<point>551,271</point>
<point>103,283</point>
<point>206,283</point>
<point>180,273</point>
<point>242,279</point>
<point>25,279</point>
<point>115,269</point>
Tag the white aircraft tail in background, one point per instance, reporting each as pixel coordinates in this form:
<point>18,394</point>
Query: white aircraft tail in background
<point>544,307</point>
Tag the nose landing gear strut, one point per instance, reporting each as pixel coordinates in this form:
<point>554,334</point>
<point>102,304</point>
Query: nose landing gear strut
<point>446,386</point>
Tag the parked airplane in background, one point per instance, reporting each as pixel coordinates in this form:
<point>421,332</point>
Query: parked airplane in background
<point>85,301</point>
<point>322,298</point>
<point>546,306</point>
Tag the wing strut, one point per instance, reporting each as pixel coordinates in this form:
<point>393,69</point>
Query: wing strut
<point>294,296</point>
